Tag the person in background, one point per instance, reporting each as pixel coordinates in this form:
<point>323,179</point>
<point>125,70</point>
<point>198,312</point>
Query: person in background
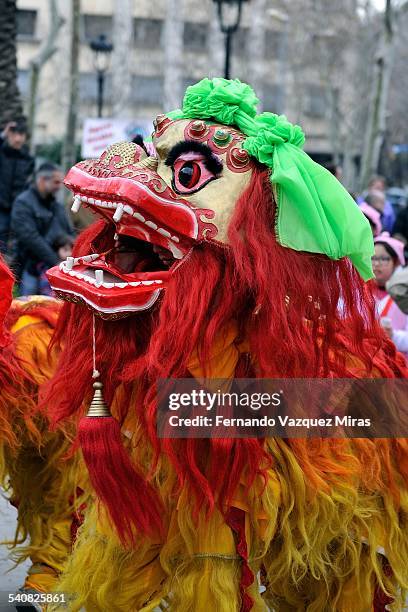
<point>16,168</point>
<point>373,217</point>
<point>397,287</point>
<point>401,226</point>
<point>63,247</point>
<point>388,257</point>
<point>375,197</point>
<point>335,169</point>
<point>37,220</point>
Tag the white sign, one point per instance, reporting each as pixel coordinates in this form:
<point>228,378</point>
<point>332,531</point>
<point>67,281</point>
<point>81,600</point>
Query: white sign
<point>100,133</point>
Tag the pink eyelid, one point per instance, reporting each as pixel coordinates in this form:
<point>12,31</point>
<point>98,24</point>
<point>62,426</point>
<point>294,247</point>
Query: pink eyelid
<point>190,156</point>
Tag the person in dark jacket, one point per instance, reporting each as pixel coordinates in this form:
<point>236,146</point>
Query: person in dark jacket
<point>37,219</point>
<point>401,226</point>
<point>16,168</point>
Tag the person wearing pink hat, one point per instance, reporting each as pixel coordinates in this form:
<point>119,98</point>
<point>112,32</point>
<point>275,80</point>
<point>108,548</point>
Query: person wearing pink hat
<point>389,255</point>
<point>373,216</point>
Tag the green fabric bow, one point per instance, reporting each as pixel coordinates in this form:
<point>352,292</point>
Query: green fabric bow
<point>315,213</point>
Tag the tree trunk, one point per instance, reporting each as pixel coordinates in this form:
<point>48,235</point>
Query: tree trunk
<point>10,102</point>
<point>173,56</point>
<point>37,63</point>
<point>122,56</point>
<point>215,44</point>
<point>69,148</point>
<point>256,48</point>
<point>378,106</point>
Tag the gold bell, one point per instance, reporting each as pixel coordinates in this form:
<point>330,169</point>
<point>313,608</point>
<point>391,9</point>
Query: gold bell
<point>98,407</point>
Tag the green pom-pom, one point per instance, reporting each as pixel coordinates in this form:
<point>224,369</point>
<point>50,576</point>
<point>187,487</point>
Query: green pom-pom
<point>220,99</point>
<point>272,130</point>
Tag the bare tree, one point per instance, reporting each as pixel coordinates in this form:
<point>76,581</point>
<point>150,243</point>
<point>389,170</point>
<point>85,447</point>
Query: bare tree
<point>121,57</point>
<point>256,45</point>
<point>173,55</point>
<point>10,102</point>
<point>45,53</point>
<point>379,96</point>
<point>69,148</point>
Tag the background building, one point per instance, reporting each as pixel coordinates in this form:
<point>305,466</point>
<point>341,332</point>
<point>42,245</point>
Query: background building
<point>295,53</point>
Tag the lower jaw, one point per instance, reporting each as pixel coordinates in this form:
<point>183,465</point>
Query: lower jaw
<point>113,312</point>
<point>108,303</point>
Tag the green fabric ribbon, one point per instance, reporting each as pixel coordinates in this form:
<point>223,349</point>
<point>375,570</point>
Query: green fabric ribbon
<point>315,213</point>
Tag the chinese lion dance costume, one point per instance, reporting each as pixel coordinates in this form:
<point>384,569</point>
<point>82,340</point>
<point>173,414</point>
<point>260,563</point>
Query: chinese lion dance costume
<point>38,479</point>
<point>228,253</point>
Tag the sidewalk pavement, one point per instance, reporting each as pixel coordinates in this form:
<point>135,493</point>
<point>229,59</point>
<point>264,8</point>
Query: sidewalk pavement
<point>9,581</point>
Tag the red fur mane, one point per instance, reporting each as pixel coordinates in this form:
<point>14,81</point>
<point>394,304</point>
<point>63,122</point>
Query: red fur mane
<point>301,314</point>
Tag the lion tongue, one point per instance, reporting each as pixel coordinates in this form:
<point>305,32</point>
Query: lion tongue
<point>142,265</point>
<point>127,262</point>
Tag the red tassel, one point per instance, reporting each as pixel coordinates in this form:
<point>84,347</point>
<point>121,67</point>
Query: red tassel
<point>132,503</point>
<point>381,600</point>
<point>235,519</point>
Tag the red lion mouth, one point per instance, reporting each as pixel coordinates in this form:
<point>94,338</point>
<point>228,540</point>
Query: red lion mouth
<point>154,230</point>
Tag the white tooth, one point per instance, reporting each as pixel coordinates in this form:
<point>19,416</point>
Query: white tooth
<point>128,210</point>
<point>76,205</point>
<point>85,259</point>
<point>147,282</point>
<point>62,266</point>
<point>164,232</point>
<point>135,284</point>
<point>90,280</point>
<point>98,202</point>
<point>78,275</point>
<point>99,276</point>
<point>177,254</point>
<point>121,285</point>
<point>158,282</point>
<point>111,205</point>
<point>69,263</point>
<point>118,213</point>
<point>175,239</point>
<point>108,285</point>
<point>139,217</point>
<point>84,198</point>
<point>91,201</point>
<point>151,224</point>
<point>71,273</point>
<point>116,236</point>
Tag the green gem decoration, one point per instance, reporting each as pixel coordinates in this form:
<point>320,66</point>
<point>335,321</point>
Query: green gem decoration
<point>221,138</point>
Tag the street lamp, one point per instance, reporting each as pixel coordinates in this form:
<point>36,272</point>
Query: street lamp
<point>229,26</point>
<point>102,50</point>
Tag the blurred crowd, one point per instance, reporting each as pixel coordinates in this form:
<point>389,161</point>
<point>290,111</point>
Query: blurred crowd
<point>389,224</point>
<point>35,231</point>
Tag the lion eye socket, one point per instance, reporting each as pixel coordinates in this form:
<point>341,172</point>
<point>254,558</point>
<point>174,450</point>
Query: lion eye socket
<point>189,174</point>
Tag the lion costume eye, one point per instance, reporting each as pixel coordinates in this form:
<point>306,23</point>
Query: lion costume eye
<point>190,173</point>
